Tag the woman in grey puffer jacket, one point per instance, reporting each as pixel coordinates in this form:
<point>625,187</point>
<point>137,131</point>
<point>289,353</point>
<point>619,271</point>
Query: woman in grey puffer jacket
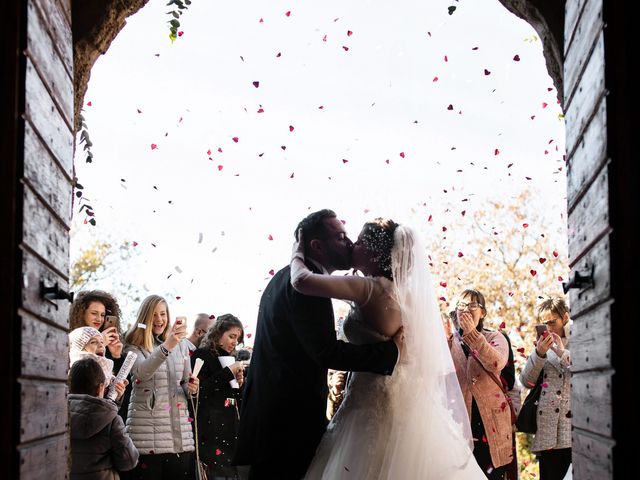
<point>158,420</point>
<point>551,360</point>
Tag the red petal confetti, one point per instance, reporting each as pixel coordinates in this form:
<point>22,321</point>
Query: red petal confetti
<point>560,279</point>
<point>321,107</point>
<point>460,254</point>
<point>525,225</point>
<point>542,260</point>
<point>349,33</point>
<point>450,107</point>
<point>139,111</point>
<point>555,254</point>
<point>484,439</point>
<point>510,165</point>
<point>270,237</point>
<point>279,55</point>
<point>135,244</point>
<point>324,39</point>
<point>502,326</point>
<point>220,167</point>
<point>209,152</point>
<point>496,152</point>
<point>220,149</point>
<point>511,294</point>
<point>212,317</point>
<point>288,14</point>
<point>346,49</point>
<point>474,48</point>
<point>430,218</point>
<point>218,451</point>
<point>446,59</point>
<point>235,139</point>
<point>261,20</point>
<point>463,212</point>
<point>444,229</point>
<point>442,299</point>
<point>516,58</point>
<point>401,154</point>
<point>190,419</point>
<point>344,160</point>
<point>443,284</point>
<point>291,128</point>
<point>248,335</point>
<point>178,298</point>
<point>89,104</point>
<point>435,79</point>
<point>533,272</point>
<point>292,174</point>
<point>261,110</point>
<point>180,34</point>
<point>153,146</point>
<point>256,84</point>
<point>283,147</point>
<point>487,72</point>
<point>544,104</point>
<point>271,272</point>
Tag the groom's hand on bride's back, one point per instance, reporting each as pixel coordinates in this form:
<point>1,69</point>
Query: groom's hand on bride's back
<point>398,339</point>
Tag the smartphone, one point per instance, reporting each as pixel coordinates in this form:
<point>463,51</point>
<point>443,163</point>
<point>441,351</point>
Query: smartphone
<point>540,329</point>
<point>181,320</point>
<point>110,321</point>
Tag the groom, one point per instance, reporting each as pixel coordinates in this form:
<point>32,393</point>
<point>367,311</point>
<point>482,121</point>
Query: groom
<point>285,396</point>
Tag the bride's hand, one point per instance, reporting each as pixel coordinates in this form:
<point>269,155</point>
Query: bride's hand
<point>398,339</point>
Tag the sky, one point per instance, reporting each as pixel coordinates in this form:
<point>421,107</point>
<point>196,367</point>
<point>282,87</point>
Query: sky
<point>209,150</point>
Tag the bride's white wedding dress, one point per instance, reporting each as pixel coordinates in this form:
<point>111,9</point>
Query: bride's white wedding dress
<point>412,424</point>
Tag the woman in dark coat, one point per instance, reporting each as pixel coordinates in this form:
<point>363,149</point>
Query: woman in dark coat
<point>217,411</point>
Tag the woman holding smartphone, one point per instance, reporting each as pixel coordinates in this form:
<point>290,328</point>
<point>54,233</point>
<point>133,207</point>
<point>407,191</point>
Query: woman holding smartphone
<point>158,420</point>
<point>100,310</point>
<point>551,359</point>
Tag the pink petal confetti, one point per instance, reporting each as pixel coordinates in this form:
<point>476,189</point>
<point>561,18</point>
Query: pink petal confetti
<point>261,20</point>
<point>248,335</point>
<point>496,152</point>
<point>218,451</point>
<point>291,128</point>
<point>516,58</point>
<point>235,139</point>
<point>256,84</point>
<point>261,110</point>
<point>545,385</point>
<point>525,225</point>
<point>288,14</point>
<point>545,104</point>
<point>153,146</point>
<point>321,107</point>
<point>502,326</point>
<point>270,237</point>
<point>542,260</point>
<point>460,254</point>
<point>560,279</point>
<point>89,104</point>
<point>555,254</point>
<point>271,272</point>
<point>220,167</point>
<point>435,79</point>
<point>324,39</point>
<point>220,149</point>
<point>533,272</point>
<point>190,419</point>
<point>401,154</point>
<point>180,34</point>
<point>446,59</point>
<point>346,49</point>
<point>487,72</point>
<point>349,33</point>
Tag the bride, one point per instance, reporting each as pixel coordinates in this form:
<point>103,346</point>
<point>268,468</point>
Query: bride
<point>413,424</point>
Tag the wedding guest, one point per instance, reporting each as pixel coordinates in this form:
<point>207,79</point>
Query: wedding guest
<point>90,308</point>
<point>217,411</point>
<point>158,422</point>
<point>551,356</point>
<point>200,327</point>
<point>508,378</point>
<point>479,354</point>
<point>99,444</point>
<point>88,342</point>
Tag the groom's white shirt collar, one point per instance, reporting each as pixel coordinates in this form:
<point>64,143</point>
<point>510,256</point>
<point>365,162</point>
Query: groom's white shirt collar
<point>319,266</point>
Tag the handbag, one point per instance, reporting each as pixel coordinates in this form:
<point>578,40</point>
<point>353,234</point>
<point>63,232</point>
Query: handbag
<point>527,421</point>
<point>514,417</point>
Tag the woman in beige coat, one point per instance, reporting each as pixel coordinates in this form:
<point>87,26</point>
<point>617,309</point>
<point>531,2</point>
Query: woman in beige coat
<point>478,352</point>
<point>551,358</point>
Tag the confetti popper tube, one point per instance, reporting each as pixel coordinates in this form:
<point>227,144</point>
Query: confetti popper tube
<point>197,367</point>
<point>126,367</point>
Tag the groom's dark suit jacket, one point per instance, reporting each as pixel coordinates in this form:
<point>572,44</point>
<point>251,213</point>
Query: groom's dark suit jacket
<point>285,396</point>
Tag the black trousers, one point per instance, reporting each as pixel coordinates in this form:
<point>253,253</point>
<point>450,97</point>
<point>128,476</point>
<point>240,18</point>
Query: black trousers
<point>554,464</point>
<point>162,466</point>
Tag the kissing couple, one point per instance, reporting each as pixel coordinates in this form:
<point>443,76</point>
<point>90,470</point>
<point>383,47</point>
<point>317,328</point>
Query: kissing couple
<point>403,415</point>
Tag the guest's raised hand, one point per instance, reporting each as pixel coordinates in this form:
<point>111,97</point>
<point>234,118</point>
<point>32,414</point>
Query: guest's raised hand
<point>544,344</point>
<point>177,332</point>
<point>115,349</point>
<point>467,324</point>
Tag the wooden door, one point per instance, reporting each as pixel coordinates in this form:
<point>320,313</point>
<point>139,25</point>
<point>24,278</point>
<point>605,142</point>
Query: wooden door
<point>39,174</point>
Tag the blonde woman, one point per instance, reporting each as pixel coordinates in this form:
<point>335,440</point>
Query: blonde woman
<point>158,420</point>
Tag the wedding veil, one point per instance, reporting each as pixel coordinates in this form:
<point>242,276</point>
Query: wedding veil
<point>430,435</point>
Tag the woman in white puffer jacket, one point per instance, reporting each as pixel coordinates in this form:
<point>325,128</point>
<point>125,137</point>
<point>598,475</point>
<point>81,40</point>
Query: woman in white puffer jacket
<point>158,420</point>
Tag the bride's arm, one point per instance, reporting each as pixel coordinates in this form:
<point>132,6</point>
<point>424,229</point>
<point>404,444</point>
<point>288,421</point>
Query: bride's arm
<point>305,281</point>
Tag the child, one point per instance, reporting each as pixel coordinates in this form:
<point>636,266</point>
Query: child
<point>87,341</point>
<point>99,445</point>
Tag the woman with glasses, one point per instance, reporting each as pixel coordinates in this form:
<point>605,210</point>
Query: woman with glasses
<point>479,356</point>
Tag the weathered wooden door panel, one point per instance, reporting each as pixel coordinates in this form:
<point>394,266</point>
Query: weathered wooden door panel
<point>45,199</point>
